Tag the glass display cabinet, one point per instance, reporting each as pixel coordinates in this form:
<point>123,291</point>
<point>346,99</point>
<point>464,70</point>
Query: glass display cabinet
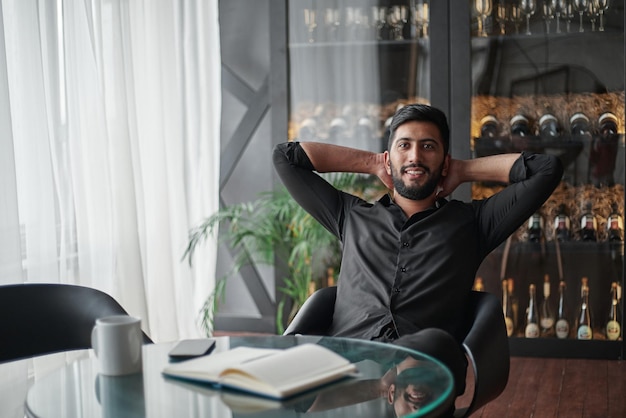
<point>548,76</point>
<point>352,63</point>
<point>512,75</point>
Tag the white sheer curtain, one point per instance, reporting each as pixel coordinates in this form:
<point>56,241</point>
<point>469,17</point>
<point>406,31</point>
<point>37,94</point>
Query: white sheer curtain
<point>109,150</point>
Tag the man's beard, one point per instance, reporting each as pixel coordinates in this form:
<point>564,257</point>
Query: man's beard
<point>415,191</point>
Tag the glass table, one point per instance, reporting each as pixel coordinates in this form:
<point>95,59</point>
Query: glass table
<point>392,381</point>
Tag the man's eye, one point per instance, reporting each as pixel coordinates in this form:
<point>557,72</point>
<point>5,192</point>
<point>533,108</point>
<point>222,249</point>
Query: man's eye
<point>429,146</point>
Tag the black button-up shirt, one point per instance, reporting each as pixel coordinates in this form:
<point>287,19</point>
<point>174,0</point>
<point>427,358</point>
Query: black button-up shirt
<point>412,273</point>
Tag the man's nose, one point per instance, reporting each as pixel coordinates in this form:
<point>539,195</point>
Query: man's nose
<point>414,154</point>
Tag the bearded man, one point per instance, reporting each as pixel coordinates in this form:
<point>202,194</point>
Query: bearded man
<point>409,259</point>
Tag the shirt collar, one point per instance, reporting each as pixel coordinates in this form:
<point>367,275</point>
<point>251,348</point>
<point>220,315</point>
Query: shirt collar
<point>386,200</point>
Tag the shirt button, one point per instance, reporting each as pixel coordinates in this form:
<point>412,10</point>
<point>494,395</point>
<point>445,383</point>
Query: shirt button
<point>396,290</point>
<point>403,269</point>
<point>405,244</point>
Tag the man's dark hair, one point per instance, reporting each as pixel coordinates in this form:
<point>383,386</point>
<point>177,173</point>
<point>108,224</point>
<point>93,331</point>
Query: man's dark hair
<point>421,113</point>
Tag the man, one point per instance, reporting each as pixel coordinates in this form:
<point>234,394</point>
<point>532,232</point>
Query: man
<point>409,259</point>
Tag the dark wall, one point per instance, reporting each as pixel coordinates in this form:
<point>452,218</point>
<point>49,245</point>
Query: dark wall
<point>254,118</point>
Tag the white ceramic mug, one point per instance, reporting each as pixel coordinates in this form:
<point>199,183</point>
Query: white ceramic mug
<point>117,341</point>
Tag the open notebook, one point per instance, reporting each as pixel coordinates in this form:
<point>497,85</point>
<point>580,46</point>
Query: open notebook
<point>272,373</point>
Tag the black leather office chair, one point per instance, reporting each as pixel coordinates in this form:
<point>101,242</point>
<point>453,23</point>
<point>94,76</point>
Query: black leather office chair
<point>484,340</point>
<point>42,318</point>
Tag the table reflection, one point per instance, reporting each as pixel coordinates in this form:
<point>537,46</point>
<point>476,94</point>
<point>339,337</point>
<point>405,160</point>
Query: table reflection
<point>392,382</point>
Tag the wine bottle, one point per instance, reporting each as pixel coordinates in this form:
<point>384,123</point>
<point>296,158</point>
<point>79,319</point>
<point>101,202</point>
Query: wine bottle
<point>549,128</point>
<point>620,306</point>
<point>584,282</point>
<point>330,277</point>
<point>615,225</point>
<point>520,126</point>
<point>562,327</point>
<point>547,312</point>
<point>579,125</point>
<point>607,125</point>
<point>337,130</point>
<point>532,315</point>
<point>584,329</point>
<point>514,302</point>
<point>489,127</point>
<point>603,151</point>
<point>308,130</point>
<point>387,124</point>
<point>613,324</point>
<point>364,131</point>
<point>479,286</point>
<point>588,224</point>
<point>387,130</point>
<point>562,225</point>
<point>535,227</point>
<point>507,309</point>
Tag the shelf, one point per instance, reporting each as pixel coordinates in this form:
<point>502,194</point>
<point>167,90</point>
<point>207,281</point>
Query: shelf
<point>569,147</point>
<point>554,348</point>
<point>538,35</point>
<point>353,44</point>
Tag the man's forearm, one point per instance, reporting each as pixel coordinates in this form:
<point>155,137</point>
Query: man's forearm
<point>328,158</point>
<point>492,168</point>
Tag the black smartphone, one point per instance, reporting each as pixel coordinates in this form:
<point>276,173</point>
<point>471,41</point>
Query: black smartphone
<point>186,349</point>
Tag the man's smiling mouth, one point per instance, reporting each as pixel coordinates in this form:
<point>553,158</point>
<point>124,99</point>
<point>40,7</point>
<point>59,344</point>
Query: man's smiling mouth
<point>415,171</point>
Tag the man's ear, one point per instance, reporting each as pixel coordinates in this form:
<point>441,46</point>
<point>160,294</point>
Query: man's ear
<point>387,162</point>
<point>390,392</point>
<point>446,165</point>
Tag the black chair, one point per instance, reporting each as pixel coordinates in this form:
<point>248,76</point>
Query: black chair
<point>42,318</point>
<point>483,338</point>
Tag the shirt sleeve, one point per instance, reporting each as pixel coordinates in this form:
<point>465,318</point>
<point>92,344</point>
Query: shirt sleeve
<point>313,193</point>
<point>533,178</point>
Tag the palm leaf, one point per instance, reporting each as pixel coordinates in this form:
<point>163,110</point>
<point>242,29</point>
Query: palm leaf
<point>275,224</point>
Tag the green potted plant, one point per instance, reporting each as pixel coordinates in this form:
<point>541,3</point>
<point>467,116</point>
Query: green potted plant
<point>275,229</point>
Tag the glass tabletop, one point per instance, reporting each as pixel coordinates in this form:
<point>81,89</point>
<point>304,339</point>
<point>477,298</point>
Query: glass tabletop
<point>392,381</point>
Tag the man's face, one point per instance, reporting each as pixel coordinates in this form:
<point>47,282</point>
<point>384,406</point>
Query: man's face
<point>416,160</point>
<point>409,399</point>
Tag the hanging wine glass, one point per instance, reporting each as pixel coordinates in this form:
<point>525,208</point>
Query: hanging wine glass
<point>379,17</point>
<point>361,22</point>
<point>568,14</point>
<point>396,18</point>
<point>502,16</point>
<point>311,23</point>
<point>593,13</point>
<point>602,6</point>
<point>581,7</point>
<point>421,18</point>
<point>528,8</point>
<point>548,13</point>
<point>559,7</point>
<point>515,14</point>
<point>350,28</point>
<point>483,8</point>
<point>332,20</point>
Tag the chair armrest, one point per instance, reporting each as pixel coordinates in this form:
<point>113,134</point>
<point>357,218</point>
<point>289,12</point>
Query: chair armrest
<point>316,314</point>
<point>487,347</point>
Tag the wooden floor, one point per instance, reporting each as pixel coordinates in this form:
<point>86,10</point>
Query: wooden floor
<point>564,388</point>
<point>554,388</point>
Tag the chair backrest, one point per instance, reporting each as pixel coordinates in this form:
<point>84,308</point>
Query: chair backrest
<point>315,316</point>
<point>41,318</point>
<point>483,337</point>
<point>487,346</point>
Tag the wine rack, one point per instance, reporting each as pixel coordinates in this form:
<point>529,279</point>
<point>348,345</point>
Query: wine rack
<point>478,59</point>
<point>558,84</point>
<point>528,262</point>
